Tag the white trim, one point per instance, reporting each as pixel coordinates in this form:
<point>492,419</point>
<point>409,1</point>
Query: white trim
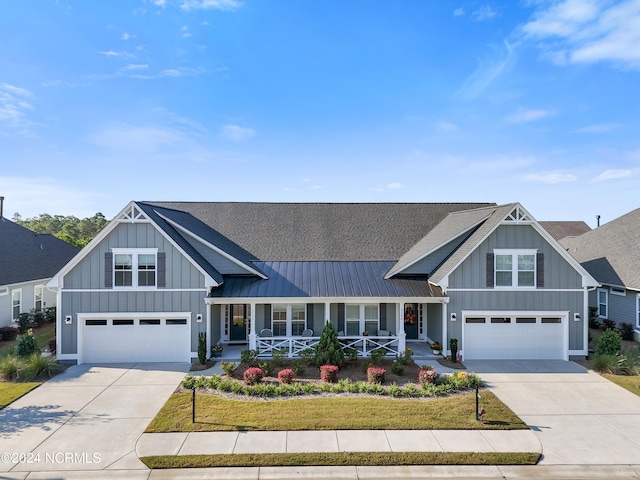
<point>141,289</point>
<point>285,300</point>
<point>135,253</point>
<point>513,289</point>
<point>620,291</point>
<point>587,279</point>
<point>35,288</point>
<point>11,306</point>
<point>28,282</point>
<point>81,317</point>
<point>212,246</point>
<point>606,302</point>
<point>4,291</point>
<point>57,281</point>
<point>514,253</point>
<point>393,272</point>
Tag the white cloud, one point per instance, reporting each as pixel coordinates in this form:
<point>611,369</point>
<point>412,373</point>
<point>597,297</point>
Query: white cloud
<point>552,178</point>
<point>598,128</point>
<point>588,31</point>
<point>458,12</point>
<point>612,174</point>
<point>136,66</point>
<point>390,186</point>
<point>136,138</point>
<point>169,72</point>
<point>483,13</point>
<point>127,36</point>
<point>14,107</point>
<point>528,115</point>
<point>211,4</point>
<point>236,133</point>
<point>395,185</point>
<point>109,53</point>
<point>487,71</point>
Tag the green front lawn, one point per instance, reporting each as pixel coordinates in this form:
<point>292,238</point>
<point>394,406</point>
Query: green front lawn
<point>341,459</point>
<point>42,335</point>
<point>214,413</point>
<point>10,391</point>
<point>630,382</point>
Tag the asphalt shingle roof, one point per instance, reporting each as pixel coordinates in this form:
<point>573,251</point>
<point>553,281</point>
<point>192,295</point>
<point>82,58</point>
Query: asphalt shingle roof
<point>560,229</point>
<point>321,231</point>
<point>26,255</point>
<point>611,252</point>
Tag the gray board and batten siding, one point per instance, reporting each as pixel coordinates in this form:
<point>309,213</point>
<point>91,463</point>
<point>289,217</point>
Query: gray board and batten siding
<point>558,274</point>
<point>89,275</point>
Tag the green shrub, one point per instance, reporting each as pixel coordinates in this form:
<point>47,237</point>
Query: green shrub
<point>626,331</point>
<point>453,346</point>
<point>10,368</point>
<point>609,324</point>
<point>50,314</point>
<point>610,343</point>
<point>25,322</point>
<point>394,390</point>
<point>298,367</point>
<point>27,345</point>
<point>228,367</point>
<point>308,355</point>
<point>202,347</point>
<point>38,318</point>
<point>278,356</point>
<point>37,366</point>
<point>377,354</point>
<point>594,322</point>
<point>248,356</point>
<point>397,368</point>
<point>405,358</point>
<point>329,351</point>
<point>189,382</point>
<point>268,367</point>
<point>8,334</point>
<point>351,354</point>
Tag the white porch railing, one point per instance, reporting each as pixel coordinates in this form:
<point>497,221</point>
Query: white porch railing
<point>294,345</point>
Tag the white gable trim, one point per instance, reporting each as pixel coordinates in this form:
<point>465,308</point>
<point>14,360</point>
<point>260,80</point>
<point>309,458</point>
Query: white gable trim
<point>124,216</point>
<point>393,272</point>
<point>525,218</point>
<point>218,250</point>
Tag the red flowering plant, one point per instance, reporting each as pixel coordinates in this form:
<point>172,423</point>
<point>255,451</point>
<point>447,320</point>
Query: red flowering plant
<point>253,375</point>
<point>427,375</point>
<point>375,374</point>
<point>285,375</point>
<point>329,373</point>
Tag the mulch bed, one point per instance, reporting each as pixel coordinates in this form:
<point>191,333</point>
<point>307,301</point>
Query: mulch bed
<point>198,367</point>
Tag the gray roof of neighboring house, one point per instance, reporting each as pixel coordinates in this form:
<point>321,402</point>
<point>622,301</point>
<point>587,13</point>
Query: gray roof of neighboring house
<point>324,279</point>
<point>560,229</point>
<point>450,228</point>
<point>26,255</point>
<point>611,252</point>
<point>320,231</point>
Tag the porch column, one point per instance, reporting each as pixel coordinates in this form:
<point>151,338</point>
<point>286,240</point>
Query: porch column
<point>208,317</point>
<point>402,336</point>
<point>327,312</point>
<point>252,331</point>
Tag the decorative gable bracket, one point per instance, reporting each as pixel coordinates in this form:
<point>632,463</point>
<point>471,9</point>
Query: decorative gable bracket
<point>518,215</point>
<point>132,214</point>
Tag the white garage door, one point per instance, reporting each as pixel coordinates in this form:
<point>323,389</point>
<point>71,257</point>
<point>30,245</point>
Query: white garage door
<point>489,337</point>
<point>161,338</point>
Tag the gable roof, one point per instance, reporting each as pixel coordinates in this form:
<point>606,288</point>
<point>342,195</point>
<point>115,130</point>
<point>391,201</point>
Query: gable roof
<point>611,252</point>
<point>562,229</point>
<point>26,255</point>
<point>321,231</point>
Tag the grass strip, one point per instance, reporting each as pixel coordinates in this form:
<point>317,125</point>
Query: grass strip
<point>340,459</point>
<point>629,382</point>
<point>215,413</point>
<point>11,391</point>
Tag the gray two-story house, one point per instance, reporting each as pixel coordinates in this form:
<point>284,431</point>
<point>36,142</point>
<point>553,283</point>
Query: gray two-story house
<point>270,275</point>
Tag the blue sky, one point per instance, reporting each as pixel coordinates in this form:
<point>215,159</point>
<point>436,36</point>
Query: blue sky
<point>533,101</point>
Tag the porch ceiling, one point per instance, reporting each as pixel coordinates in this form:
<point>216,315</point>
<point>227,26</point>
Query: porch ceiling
<point>323,279</point>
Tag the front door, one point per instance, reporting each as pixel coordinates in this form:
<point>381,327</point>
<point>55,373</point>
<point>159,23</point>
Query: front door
<point>239,322</point>
<point>411,321</point>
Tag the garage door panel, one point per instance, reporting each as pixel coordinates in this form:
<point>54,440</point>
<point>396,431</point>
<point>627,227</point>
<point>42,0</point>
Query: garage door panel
<point>513,340</point>
<point>145,340</point>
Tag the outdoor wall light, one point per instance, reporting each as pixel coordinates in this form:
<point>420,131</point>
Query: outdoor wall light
<point>453,317</point>
<point>199,318</point>
<point>68,319</point>
<point>576,317</point>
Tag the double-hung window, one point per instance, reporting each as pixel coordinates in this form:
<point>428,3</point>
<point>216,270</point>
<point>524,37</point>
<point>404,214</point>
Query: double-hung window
<point>515,268</point>
<point>134,268</point>
<point>297,313</point>
<point>298,319</point>
<point>279,320</point>
<point>38,292</point>
<point>603,303</point>
<point>361,318</point>
<point>16,303</point>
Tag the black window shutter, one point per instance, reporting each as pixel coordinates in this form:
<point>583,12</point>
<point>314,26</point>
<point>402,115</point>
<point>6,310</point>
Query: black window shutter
<point>540,270</point>
<point>490,271</point>
<point>162,271</point>
<point>108,270</point>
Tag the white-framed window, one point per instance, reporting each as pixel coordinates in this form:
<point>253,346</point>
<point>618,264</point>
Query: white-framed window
<point>297,313</point>
<point>603,302</point>
<point>618,291</point>
<point>361,318</point>
<point>279,320</point>
<point>135,268</point>
<point>16,303</point>
<point>515,268</point>
<point>38,297</point>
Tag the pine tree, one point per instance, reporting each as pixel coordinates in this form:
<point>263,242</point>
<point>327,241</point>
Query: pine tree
<point>329,351</point>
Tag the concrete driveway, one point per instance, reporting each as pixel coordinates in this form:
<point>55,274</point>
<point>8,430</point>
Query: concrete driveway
<point>580,417</point>
<point>87,418</point>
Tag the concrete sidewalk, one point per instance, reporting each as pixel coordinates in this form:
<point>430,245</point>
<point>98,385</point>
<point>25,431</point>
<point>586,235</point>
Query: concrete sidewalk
<point>195,443</point>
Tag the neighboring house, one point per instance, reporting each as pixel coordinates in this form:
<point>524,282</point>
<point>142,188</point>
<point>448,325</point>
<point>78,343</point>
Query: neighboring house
<point>28,260</point>
<point>270,275</point>
<point>563,229</point>
<point>611,254</point>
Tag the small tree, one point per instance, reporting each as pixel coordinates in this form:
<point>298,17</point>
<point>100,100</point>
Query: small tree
<point>610,343</point>
<point>27,345</point>
<point>329,351</point>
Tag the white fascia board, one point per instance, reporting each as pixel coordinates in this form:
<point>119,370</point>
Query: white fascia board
<point>26,282</point>
<point>345,300</point>
<point>211,246</point>
<point>393,273</point>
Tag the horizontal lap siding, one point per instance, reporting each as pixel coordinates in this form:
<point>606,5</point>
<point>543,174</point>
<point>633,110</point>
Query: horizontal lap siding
<point>623,309</point>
